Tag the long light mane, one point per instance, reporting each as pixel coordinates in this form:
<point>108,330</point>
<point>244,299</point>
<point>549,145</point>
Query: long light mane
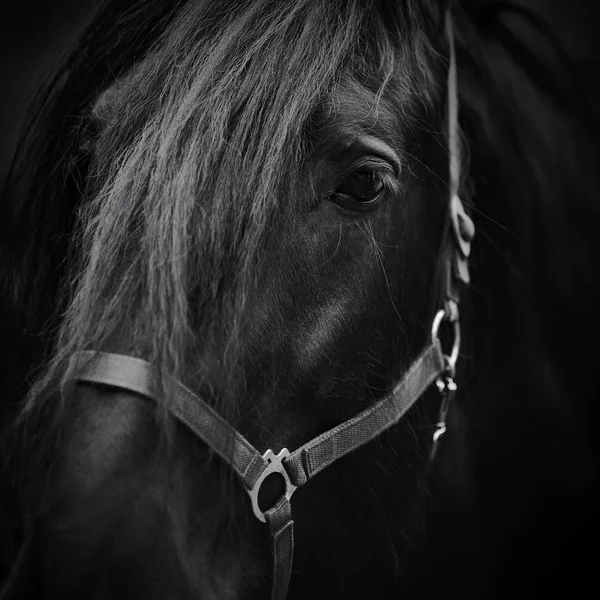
<point>197,163</point>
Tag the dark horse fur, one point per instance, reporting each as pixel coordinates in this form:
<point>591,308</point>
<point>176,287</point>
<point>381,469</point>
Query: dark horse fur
<point>175,196</point>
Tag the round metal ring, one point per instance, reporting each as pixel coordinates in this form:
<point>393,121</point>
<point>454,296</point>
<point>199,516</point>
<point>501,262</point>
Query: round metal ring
<point>440,317</point>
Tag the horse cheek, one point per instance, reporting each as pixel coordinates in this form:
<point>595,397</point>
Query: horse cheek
<point>103,528</point>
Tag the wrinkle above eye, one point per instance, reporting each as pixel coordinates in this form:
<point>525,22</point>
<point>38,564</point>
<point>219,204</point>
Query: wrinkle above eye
<point>372,145</point>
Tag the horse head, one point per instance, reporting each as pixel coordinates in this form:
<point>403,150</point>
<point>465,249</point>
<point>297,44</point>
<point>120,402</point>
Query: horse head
<point>269,243</point>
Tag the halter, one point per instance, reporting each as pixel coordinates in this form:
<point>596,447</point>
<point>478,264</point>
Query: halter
<point>298,467</point>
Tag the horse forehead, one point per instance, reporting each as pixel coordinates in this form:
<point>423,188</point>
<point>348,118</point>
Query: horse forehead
<point>353,110</point>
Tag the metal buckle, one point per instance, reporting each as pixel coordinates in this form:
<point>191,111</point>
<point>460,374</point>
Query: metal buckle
<point>445,382</point>
<point>274,465</point>
<point>447,388</point>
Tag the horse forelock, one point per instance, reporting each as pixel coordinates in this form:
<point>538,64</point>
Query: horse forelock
<point>197,166</point>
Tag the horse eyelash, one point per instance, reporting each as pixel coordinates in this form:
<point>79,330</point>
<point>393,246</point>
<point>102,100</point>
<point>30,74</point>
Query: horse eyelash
<point>390,182</point>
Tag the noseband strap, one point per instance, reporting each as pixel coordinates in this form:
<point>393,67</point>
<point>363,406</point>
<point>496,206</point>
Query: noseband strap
<point>136,375</point>
<point>298,467</point>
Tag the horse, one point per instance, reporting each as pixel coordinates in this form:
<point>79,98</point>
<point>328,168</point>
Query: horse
<point>254,349</point>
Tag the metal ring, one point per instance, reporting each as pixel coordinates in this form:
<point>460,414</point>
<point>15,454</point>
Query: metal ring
<point>441,316</point>
<point>274,465</point>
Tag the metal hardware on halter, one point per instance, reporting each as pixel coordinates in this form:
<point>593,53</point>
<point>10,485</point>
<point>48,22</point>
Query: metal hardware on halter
<point>274,465</point>
<point>447,388</point>
<point>445,382</point>
<point>449,314</point>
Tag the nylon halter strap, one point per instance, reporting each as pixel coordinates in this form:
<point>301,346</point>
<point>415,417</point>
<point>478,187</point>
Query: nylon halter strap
<point>298,467</point>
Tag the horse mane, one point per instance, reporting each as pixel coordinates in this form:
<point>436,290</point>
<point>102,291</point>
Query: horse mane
<point>528,402</point>
<point>211,78</point>
<point>533,155</point>
<point>46,179</point>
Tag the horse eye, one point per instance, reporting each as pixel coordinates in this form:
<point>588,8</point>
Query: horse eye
<point>359,189</point>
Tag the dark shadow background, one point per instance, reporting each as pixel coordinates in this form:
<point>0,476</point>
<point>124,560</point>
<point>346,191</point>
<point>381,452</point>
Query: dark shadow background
<point>33,33</point>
